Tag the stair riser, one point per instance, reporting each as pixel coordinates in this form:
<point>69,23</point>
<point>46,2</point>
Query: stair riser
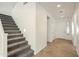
<point>14,41</point>
<point>18,53</point>
<point>15,36</point>
<point>11,28</point>
<point>17,46</point>
<point>13,32</point>
<point>8,22</point>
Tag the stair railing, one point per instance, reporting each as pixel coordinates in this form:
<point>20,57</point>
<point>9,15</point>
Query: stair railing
<point>3,41</point>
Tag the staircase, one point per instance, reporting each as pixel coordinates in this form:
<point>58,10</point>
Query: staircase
<point>17,46</point>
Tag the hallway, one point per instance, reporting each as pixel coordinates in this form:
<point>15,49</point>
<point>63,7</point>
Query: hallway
<point>58,48</point>
<point>28,27</point>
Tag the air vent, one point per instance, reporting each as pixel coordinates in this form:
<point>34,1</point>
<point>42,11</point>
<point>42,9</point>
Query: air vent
<point>61,11</point>
<point>25,3</point>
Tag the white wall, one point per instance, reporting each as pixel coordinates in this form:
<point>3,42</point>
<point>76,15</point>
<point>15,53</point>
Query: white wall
<point>73,24</point>
<point>76,28</point>
<point>32,21</point>
<point>50,28</point>
<point>41,27</point>
<point>61,29</point>
<point>6,7</point>
<point>57,28</point>
<point>25,18</point>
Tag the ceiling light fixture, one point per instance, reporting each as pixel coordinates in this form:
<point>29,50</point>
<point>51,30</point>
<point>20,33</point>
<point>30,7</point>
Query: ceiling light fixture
<point>58,5</point>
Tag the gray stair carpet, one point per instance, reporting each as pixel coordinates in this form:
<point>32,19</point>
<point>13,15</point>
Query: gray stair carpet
<point>17,45</point>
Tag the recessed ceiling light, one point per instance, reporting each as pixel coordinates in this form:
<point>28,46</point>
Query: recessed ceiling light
<point>58,5</point>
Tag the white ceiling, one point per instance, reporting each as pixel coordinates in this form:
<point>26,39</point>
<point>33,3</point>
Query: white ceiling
<point>66,7</point>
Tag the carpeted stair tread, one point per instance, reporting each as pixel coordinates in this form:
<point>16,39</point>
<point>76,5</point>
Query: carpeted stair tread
<point>17,45</point>
<point>28,54</point>
<point>17,50</point>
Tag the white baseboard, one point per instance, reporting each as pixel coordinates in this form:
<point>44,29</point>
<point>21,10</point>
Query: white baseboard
<point>39,50</point>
